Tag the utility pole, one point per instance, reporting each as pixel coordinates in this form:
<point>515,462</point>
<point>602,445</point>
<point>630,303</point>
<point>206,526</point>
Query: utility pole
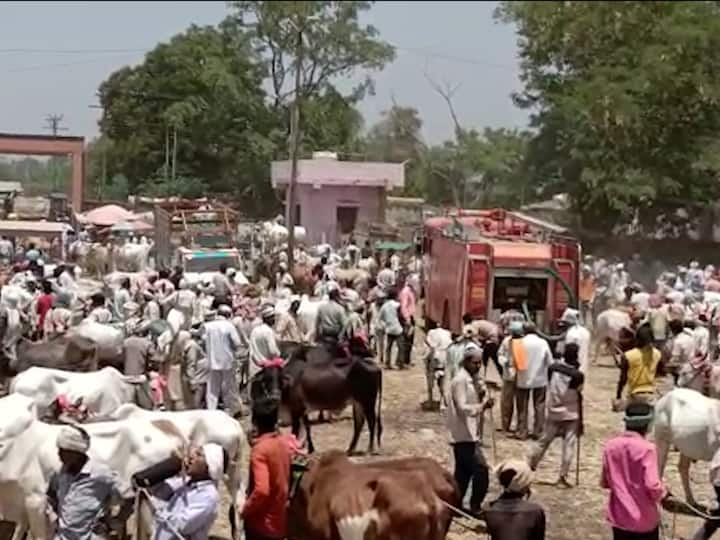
<point>174,152</point>
<point>53,124</point>
<point>294,149</point>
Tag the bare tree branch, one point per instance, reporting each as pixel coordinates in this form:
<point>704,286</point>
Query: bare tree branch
<point>447,92</point>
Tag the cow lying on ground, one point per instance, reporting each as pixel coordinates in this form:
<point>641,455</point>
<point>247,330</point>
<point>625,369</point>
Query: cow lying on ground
<point>397,499</point>
<point>29,457</point>
<point>687,420</point>
<point>102,392</point>
<point>313,379</point>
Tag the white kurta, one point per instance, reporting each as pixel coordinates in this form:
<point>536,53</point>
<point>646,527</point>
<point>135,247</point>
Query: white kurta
<point>263,347</point>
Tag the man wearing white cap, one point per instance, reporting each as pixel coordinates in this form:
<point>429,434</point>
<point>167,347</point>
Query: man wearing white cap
<point>222,342</point>
<point>331,320</point>
<point>263,345</point>
<point>465,410</point>
<point>578,334</point>
<point>192,506</point>
<point>82,489</point>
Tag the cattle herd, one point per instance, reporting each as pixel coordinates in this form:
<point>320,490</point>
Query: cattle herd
<point>65,364</point>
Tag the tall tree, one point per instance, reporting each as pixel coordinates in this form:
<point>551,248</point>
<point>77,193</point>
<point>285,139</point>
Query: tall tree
<point>197,103</point>
<point>397,138</point>
<point>626,98</point>
<point>308,45</point>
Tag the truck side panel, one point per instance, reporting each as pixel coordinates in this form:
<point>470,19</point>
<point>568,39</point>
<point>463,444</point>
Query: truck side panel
<point>477,287</point>
<point>567,264</point>
<point>446,285</point>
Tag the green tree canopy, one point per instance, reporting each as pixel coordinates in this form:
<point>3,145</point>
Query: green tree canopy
<point>205,87</point>
<point>625,96</point>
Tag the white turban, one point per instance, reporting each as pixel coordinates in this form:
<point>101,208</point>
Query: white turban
<point>267,311</point>
<point>520,483</point>
<point>214,459</point>
<point>570,316</point>
<point>225,310</point>
<point>74,439</point>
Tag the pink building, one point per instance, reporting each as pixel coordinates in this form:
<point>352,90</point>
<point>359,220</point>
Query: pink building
<point>333,197</point>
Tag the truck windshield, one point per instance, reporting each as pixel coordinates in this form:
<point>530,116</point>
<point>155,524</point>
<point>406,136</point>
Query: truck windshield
<point>511,292</point>
<point>210,262</point>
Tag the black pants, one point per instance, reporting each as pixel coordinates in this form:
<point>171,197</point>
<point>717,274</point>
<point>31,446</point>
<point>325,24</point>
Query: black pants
<point>619,534</point>
<point>391,339</point>
<point>490,352</point>
<point>470,465</point>
<point>405,344</point>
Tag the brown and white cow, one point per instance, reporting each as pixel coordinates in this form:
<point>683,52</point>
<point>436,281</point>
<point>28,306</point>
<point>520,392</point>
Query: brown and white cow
<point>396,499</point>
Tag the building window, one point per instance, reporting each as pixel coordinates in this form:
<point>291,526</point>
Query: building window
<point>298,215</point>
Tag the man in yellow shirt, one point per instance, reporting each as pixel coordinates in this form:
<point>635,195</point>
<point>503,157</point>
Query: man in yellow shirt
<point>639,369</point>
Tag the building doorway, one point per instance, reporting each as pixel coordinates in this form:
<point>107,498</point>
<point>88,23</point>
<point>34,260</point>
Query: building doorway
<point>346,219</point>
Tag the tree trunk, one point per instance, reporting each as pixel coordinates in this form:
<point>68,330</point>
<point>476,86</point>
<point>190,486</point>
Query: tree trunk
<point>174,153</point>
<point>294,149</point>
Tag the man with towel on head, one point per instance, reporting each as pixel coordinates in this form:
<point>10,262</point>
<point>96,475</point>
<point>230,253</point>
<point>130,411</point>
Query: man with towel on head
<point>192,498</point>
<point>512,516</point>
<point>80,492</point>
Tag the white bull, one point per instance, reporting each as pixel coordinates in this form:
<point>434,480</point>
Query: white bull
<point>276,234</point>
<point>199,427</point>
<point>104,335</point>
<point>133,257</point>
<point>689,421</point>
<point>607,328</point>
<point>102,392</point>
<point>29,457</point>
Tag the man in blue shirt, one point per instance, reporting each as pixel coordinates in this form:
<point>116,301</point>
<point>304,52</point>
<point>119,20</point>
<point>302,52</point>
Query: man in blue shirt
<point>80,492</point>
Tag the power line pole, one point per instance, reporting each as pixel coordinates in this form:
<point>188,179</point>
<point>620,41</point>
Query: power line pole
<point>290,213</point>
<point>53,123</point>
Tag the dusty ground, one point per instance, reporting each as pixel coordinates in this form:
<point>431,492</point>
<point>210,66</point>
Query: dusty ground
<point>571,513</point>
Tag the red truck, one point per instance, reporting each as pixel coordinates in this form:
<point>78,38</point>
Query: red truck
<point>485,262</point>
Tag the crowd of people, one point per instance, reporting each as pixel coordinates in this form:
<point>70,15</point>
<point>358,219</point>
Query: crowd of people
<point>223,331</point>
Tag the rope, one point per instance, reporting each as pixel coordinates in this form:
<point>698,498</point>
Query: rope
<point>693,510</point>
<point>142,492</point>
<point>460,511</point>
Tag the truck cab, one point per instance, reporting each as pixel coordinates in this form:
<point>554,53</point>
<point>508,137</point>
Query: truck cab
<point>207,260</point>
<point>487,262</point>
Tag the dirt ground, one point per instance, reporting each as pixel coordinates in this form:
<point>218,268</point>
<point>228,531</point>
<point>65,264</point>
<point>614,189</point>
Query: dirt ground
<point>573,513</point>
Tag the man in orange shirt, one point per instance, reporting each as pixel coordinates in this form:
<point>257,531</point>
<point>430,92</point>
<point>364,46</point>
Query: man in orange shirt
<point>587,294</point>
<point>265,512</point>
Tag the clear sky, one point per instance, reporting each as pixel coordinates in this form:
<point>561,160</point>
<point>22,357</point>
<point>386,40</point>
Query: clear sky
<point>53,56</point>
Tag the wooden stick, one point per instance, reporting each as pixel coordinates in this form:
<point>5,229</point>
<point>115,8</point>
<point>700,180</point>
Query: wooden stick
<point>577,460</point>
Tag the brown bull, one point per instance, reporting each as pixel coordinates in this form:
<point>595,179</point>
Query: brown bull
<point>404,499</point>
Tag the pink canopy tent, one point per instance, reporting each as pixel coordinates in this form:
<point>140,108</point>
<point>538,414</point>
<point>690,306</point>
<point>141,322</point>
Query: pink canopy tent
<point>106,216</point>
